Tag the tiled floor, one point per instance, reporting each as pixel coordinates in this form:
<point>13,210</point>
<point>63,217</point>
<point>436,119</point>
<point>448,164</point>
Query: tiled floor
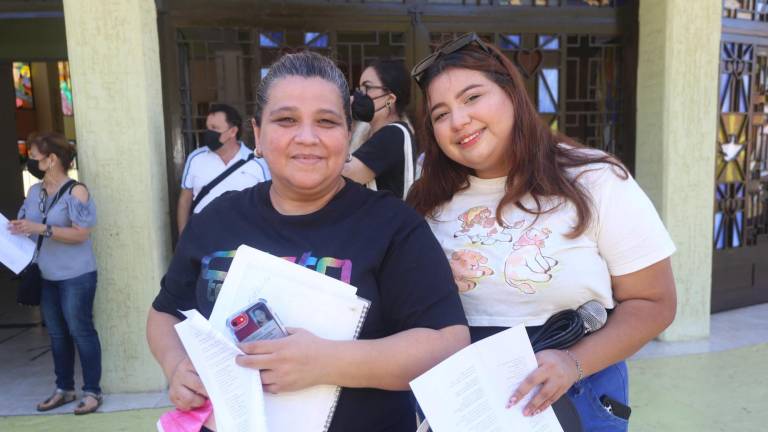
<point>718,384</point>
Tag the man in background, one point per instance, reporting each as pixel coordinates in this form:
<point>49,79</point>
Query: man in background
<point>222,163</point>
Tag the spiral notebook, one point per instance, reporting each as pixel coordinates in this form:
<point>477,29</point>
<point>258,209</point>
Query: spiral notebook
<point>301,298</point>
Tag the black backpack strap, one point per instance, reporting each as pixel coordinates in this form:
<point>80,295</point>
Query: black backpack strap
<point>213,183</point>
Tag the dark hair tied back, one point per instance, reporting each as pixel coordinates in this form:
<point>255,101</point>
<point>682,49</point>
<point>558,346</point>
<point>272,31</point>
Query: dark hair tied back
<point>48,143</point>
<point>396,79</point>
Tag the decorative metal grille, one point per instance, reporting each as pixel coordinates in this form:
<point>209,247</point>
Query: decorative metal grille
<point>355,51</point>
<point>741,173</point>
<point>752,10</point>
<point>541,3</point>
<point>574,80</point>
<point>225,65</point>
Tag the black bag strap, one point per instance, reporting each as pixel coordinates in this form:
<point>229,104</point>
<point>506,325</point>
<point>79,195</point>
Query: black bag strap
<point>62,190</point>
<point>213,183</point>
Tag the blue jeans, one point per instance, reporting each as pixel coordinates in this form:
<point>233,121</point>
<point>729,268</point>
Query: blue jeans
<point>67,307</point>
<point>585,395</point>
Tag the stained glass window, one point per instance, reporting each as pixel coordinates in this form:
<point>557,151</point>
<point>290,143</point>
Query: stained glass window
<point>65,88</point>
<point>316,40</point>
<point>509,41</point>
<point>549,42</point>
<point>548,90</point>
<point>271,39</point>
<point>22,82</point>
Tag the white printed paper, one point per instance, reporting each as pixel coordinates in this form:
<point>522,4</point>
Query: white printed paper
<point>468,391</point>
<point>300,298</point>
<point>16,250</point>
<point>235,391</point>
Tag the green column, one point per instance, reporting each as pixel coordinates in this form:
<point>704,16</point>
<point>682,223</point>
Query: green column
<point>115,66</point>
<point>676,125</point>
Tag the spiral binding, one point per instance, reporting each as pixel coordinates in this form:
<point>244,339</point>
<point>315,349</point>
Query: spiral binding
<point>360,322</point>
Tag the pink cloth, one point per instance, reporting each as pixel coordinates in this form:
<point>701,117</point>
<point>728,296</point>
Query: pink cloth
<point>185,421</point>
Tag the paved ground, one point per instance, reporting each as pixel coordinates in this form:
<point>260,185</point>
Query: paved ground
<point>720,384</point>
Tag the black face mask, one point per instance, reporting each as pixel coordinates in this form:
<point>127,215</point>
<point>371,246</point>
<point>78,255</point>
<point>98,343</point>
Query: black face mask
<point>211,139</point>
<point>362,107</point>
<point>33,166</point>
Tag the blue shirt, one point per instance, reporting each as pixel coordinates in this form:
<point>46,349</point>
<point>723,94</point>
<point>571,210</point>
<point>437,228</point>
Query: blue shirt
<point>58,260</point>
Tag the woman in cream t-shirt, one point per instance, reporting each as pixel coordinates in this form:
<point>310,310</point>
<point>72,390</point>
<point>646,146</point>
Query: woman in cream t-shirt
<point>534,223</point>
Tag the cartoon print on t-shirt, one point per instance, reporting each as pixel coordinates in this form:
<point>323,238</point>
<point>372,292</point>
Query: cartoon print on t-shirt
<point>479,225</point>
<point>467,267</point>
<point>526,263</point>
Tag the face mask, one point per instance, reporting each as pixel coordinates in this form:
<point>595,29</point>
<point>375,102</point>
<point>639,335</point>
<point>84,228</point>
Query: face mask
<point>33,166</point>
<point>362,107</point>
<point>211,139</point>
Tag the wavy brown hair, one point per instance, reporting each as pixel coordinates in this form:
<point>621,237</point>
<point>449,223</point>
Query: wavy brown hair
<point>538,164</point>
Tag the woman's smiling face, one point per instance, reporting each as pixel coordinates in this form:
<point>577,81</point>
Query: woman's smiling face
<point>303,134</point>
<point>473,120</point>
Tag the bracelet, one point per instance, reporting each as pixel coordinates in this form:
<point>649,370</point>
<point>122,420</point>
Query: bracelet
<point>578,364</point>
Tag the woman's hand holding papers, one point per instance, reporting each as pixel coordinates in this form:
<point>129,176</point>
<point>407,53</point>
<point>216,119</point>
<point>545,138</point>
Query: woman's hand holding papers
<point>556,374</point>
<point>287,364</point>
<point>25,227</point>
<point>185,390</point>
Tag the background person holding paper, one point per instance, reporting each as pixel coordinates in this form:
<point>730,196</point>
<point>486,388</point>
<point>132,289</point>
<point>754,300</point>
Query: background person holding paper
<point>534,223</point>
<point>311,215</point>
<point>68,269</point>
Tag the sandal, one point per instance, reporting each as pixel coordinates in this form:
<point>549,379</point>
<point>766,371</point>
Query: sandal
<point>89,403</point>
<point>57,399</point>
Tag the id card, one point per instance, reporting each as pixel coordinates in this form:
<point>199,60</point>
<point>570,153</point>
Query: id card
<point>256,322</point>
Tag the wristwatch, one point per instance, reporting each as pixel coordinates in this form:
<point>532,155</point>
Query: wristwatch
<point>48,231</point>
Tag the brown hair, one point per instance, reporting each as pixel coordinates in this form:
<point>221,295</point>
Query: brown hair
<point>54,143</point>
<point>538,163</point>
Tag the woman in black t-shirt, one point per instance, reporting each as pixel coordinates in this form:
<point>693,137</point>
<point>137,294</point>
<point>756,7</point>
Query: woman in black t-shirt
<point>385,161</point>
<point>311,215</point>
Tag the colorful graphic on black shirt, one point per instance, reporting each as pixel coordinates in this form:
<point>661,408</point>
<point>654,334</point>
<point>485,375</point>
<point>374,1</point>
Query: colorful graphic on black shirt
<point>214,269</point>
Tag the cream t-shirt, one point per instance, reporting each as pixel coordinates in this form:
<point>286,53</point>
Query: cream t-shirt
<point>526,272</point>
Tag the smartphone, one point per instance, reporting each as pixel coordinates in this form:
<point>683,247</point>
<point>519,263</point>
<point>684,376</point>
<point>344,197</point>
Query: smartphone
<point>615,407</point>
<point>256,322</point>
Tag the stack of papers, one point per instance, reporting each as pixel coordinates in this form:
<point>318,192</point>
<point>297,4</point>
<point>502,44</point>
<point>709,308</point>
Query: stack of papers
<point>301,298</point>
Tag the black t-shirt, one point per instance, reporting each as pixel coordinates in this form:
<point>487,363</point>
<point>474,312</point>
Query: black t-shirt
<point>369,239</point>
<point>383,154</point>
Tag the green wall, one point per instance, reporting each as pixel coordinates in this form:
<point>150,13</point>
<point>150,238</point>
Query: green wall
<point>676,130</point>
<point>115,65</point>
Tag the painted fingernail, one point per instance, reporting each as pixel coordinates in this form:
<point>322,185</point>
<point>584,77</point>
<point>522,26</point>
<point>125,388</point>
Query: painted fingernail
<point>537,412</point>
<point>512,401</point>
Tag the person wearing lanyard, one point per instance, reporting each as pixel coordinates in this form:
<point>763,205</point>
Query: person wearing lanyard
<point>67,266</point>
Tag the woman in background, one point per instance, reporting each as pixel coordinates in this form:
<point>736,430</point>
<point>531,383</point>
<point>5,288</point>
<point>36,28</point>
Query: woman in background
<point>385,161</point>
<point>67,266</point>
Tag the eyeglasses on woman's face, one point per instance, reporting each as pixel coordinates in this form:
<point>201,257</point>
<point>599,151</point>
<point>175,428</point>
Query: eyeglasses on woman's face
<point>366,88</point>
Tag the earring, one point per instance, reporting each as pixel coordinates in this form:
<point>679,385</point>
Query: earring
<point>349,158</point>
<point>258,153</point>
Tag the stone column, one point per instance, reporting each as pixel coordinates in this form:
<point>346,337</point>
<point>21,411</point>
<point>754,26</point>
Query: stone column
<point>678,57</point>
<point>115,66</point>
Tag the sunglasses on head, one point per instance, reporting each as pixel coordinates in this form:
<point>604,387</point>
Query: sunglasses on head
<point>451,47</point>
